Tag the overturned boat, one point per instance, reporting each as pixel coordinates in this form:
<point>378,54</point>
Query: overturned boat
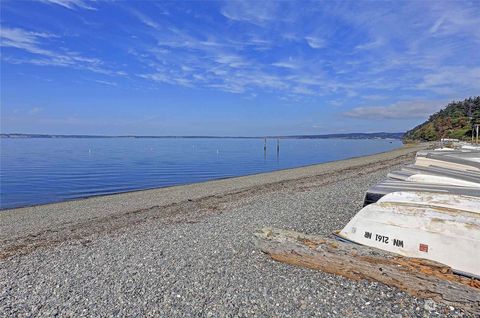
<point>436,176</point>
<point>441,227</point>
<point>470,147</point>
<point>442,171</point>
<point>461,161</point>
<point>385,187</point>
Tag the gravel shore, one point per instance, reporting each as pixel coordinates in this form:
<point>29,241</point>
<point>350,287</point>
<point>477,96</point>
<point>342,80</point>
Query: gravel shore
<point>187,250</point>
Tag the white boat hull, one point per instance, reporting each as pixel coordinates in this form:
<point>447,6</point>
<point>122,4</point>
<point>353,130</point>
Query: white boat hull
<point>429,162</point>
<point>431,179</point>
<point>452,202</point>
<point>383,188</point>
<point>443,229</point>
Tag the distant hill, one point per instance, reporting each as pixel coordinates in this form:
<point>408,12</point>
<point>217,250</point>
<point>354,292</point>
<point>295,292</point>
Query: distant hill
<point>453,121</point>
<point>379,135</point>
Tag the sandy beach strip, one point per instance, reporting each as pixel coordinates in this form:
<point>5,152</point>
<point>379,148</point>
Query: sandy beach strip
<point>187,250</point>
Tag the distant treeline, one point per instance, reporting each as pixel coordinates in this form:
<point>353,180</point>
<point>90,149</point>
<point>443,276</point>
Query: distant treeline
<point>380,135</point>
<point>456,120</point>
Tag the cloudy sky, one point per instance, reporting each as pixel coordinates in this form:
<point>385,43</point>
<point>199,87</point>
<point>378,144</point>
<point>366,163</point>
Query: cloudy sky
<point>233,68</point>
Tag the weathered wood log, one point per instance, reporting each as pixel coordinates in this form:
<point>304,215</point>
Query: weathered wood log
<point>418,277</point>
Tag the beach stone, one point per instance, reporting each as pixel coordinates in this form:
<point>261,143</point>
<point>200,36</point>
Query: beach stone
<point>429,305</point>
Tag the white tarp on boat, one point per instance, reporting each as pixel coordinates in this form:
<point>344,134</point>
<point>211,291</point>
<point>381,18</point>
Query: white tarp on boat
<point>440,227</point>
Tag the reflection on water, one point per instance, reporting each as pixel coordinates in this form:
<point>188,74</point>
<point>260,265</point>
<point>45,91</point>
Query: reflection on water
<point>36,171</point>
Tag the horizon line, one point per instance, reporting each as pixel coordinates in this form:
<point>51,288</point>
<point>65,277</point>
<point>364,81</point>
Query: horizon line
<point>43,135</point>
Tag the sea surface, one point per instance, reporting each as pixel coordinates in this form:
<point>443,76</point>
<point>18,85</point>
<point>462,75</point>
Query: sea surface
<point>42,170</point>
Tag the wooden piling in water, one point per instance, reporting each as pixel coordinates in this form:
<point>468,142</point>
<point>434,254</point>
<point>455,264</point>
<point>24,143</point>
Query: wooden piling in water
<point>278,147</point>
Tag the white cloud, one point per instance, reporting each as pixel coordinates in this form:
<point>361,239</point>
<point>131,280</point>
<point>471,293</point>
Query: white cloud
<point>30,41</point>
<point>315,42</point>
<point>25,40</point>
<point>454,18</point>
<point>255,12</point>
<point>109,83</point>
<point>435,27</point>
<point>71,4</point>
<point>231,60</point>
<point>399,110</point>
<point>451,80</point>
<point>370,45</point>
<point>168,78</point>
<point>286,64</point>
<point>145,19</point>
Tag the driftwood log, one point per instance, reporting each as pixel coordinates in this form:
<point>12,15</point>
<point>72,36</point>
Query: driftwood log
<point>418,277</point>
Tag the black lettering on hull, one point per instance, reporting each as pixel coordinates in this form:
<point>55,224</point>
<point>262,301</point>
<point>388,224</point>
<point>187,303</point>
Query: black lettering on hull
<point>398,243</point>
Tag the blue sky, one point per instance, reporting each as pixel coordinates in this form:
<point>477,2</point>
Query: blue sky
<point>233,68</point>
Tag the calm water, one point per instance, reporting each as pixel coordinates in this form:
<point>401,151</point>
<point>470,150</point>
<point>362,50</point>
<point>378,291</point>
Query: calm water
<point>37,171</point>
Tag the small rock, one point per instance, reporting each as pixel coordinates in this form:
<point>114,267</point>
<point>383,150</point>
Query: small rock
<point>429,305</point>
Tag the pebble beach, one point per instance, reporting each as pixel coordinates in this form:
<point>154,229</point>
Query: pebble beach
<point>187,251</point>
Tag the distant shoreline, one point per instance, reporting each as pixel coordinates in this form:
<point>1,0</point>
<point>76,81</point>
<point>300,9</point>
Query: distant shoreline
<point>378,135</point>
